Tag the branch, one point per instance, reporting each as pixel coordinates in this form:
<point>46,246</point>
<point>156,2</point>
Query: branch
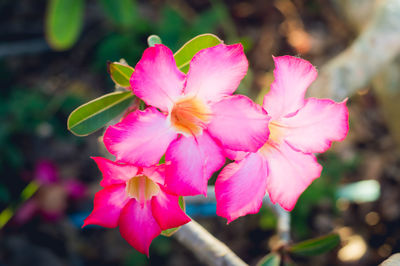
<point>206,247</point>
<point>377,45</point>
<point>283,226</point>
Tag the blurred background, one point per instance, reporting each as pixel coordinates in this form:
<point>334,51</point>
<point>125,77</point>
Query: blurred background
<point>53,59</point>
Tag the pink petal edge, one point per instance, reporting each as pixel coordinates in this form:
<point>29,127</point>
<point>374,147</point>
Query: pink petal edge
<point>108,204</point>
<point>114,173</point>
<point>138,226</point>
<point>167,212</point>
<point>216,72</point>
<point>190,162</point>
<point>141,138</point>
<point>292,78</point>
<point>316,125</point>
<point>239,124</point>
<point>290,173</point>
<point>241,186</point>
<point>156,79</point>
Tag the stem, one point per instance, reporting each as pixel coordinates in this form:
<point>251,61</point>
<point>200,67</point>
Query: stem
<point>283,216</point>
<point>205,246</point>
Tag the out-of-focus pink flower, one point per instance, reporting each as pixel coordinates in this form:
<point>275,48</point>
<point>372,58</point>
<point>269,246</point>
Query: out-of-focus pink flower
<point>51,199</point>
<point>135,199</point>
<point>285,165</point>
<point>190,116</point>
<point>75,189</point>
<point>46,172</point>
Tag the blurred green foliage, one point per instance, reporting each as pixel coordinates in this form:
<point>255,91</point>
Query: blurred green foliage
<point>315,246</point>
<point>26,114</point>
<point>64,21</point>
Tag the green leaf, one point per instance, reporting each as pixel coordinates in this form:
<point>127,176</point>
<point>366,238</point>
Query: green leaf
<point>153,40</point>
<point>93,115</point>
<point>171,231</point>
<point>272,259</point>
<point>189,49</point>
<point>120,73</point>
<point>63,22</point>
<point>315,246</point>
<point>122,12</point>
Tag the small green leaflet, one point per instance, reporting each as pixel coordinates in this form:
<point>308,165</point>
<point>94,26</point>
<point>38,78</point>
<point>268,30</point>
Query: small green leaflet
<point>185,54</point>
<point>153,40</point>
<point>120,73</point>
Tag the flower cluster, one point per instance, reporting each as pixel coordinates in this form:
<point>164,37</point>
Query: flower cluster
<point>196,122</point>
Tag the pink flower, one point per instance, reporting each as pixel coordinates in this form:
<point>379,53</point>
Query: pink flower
<point>198,116</point>
<point>46,172</point>
<point>51,199</point>
<point>135,199</point>
<point>285,166</point>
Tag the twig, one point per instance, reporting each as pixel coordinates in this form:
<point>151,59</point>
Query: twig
<point>205,246</point>
<point>283,226</point>
<point>377,45</point>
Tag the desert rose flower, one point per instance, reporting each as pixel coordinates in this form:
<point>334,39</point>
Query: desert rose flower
<point>52,198</point>
<point>134,198</point>
<point>191,117</point>
<point>285,165</point>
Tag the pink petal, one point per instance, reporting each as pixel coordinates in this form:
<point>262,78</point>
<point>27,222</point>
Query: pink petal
<point>108,203</point>
<point>138,226</point>
<point>190,162</point>
<point>27,210</point>
<point>239,124</point>
<point>141,138</point>
<point>167,212</point>
<point>241,186</point>
<point>114,173</point>
<point>155,173</point>
<point>235,155</point>
<point>290,173</point>
<point>216,72</point>
<point>156,79</point>
<point>75,188</point>
<point>316,125</point>
<point>46,172</point>
<point>292,77</point>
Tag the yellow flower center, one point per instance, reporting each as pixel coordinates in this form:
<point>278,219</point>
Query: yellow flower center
<point>190,116</point>
<point>141,188</point>
<point>276,134</point>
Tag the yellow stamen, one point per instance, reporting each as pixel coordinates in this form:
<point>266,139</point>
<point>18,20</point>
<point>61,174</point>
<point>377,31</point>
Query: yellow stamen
<point>190,116</point>
<point>276,134</point>
<point>141,188</point>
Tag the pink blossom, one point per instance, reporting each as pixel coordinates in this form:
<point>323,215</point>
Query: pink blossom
<point>46,172</point>
<point>285,165</point>
<point>191,117</point>
<point>135,199</point>
<point>51,199</point>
